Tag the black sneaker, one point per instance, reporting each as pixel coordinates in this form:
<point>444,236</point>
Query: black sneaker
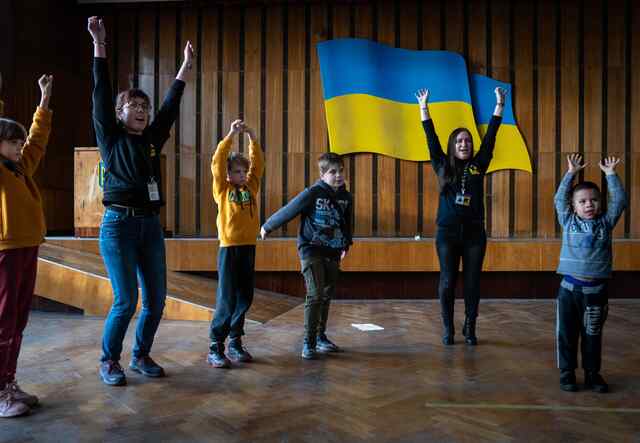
<point>112,373</point>
<point>469,331</point>
<point>237,352</point>
<point>216,357</point>
<point>325,345</point>
<point>568,381</point>
<point>309,351</point>
<point>594,381</point>
<point>146,366</point>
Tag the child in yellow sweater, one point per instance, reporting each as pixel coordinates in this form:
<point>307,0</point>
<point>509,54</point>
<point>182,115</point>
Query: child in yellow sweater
<point>22,229</point>
<point>236,182</point>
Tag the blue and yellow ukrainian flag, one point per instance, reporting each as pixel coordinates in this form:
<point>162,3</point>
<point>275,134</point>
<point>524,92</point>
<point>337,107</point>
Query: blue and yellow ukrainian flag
<point>511,150</point>
<point>370,103</point>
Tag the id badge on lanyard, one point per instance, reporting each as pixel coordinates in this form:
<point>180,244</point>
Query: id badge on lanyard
<point>154,194</point>
<point>463,198</point>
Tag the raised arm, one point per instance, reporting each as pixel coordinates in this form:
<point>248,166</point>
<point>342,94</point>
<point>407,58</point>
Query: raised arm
<point>168,112</point>
<point>256,159</point>
<point>219,160</point>
<point>485,153</point>
<point>104,119</point>
<point>617,201</point>
<point>36,143</point>
<point>562,201</point>
<point>433,144</point>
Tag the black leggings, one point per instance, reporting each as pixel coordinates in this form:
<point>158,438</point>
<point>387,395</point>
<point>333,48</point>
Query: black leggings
<point>469,243</point>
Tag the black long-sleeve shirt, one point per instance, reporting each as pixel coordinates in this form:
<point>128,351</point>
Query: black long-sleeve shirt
<point>449,213</point>
<point>325,229</point>
<point>130,161</point>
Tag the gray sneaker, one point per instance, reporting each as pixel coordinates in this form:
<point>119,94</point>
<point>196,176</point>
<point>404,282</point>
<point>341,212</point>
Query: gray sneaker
<point>146,366</point>
<point>21,396</point>
<point>325,345</point>
<point>309,351</point>
<point>9,406</point>
<point>112,373</point>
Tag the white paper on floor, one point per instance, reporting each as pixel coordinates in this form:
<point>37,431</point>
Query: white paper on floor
<point>367,327</point>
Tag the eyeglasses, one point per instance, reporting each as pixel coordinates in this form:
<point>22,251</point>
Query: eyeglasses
<point>138,106</point>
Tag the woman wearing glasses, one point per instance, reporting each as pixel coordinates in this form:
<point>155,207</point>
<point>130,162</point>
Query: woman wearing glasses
<point>131,237</point>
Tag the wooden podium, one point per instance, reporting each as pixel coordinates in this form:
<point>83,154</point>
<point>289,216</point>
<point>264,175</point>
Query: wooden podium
<point>87,191</point>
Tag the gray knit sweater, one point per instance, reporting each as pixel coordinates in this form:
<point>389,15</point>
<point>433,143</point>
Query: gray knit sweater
<point>586,244</point>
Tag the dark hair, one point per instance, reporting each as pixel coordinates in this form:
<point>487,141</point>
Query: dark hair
<point>326,160</point>
<point>237,158</point>
<point>449,174</point>
<point>583,186</point>
<point>11,130</point>
<point>126,96</point>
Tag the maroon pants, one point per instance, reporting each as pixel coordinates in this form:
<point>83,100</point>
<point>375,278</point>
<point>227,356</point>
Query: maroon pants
<point>17,281</point>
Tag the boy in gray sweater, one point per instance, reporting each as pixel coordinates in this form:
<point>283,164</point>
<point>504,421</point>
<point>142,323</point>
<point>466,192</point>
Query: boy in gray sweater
<point>585,263</point>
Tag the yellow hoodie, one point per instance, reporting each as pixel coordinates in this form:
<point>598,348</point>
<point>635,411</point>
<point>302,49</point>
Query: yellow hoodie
<point>238,217</point>
<point>21,217</point>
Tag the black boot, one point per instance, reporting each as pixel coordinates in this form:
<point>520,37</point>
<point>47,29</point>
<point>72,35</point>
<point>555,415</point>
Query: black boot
<point>594,381</point>
<point>448,330</point>
<point>469,331</point>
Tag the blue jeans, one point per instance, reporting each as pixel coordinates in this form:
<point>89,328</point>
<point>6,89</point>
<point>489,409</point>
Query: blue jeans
<point>133,251</point>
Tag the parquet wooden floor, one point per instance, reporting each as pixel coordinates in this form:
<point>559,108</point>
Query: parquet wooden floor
<point>395,385</point>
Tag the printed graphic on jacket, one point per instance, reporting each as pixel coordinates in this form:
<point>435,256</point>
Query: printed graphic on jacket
<point>329,221</point>
<point>584,234</point>
<point>239,196</point>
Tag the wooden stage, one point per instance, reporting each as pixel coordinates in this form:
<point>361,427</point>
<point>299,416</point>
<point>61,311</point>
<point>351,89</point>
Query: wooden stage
<point>395,385</point>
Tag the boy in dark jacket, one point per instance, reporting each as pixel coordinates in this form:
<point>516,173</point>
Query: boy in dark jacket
<point>323,240</point>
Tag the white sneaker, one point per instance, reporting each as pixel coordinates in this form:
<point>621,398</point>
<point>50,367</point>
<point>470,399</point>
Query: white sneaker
<point>9,406</point>
<point>21,396</point>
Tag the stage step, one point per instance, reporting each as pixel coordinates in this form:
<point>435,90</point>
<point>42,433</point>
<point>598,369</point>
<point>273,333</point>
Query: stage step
<point>78,278</point>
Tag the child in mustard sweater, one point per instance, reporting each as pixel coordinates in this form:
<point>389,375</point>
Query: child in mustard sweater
<point>22,229</point>
<point>236,182</point>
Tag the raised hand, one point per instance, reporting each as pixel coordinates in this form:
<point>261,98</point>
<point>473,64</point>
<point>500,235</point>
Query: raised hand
<point>423,96</point>
<point>501,95</point>
<point>263,233</point>
<point>95,27</point>
<point>574,162</point>
<point>188,54</point>
<point>608,165</point>
<point>46,86</point>
<point>236,127</point>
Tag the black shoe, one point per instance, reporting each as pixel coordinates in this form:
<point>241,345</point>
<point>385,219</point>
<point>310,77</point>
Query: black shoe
<point>237,353</point>
<point>469,331</point>
<point>568,381</point>
<point>309,351</point>
<point>146,366</point>
<point>325,345</point>
<point>112,373</point>
<point>594,381</point>
<point>216,357</point>
<point>447,340</point>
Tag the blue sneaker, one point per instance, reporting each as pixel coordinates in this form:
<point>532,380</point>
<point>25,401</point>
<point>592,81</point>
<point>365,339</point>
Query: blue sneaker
<point>146,366</point>
<point>309,351</point>
<point>112,374</point>
<point>325,345</point>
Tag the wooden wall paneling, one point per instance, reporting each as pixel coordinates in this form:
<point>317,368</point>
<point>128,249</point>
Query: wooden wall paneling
<point>409,195</point>
<point>273,112</point>
<point>296,52</point>
<point>188,115</point>
<point>363,195</point>
<point>318,137</point>
<point>594,114</point>
<point>615,92</point>
<point>253,75</point>
<point>208,53</point>
<point>500,70</point>
<point>231,24</point>
<point>634,123</point>
<point>123,58</point>
<point>545,149</point>
<point>167,73</point>
<point>454,24</point>
<point>147,56</point>
<point>523,111</point>
<point>386,189</point>
<point>431,40</point>
<point>570,82</point>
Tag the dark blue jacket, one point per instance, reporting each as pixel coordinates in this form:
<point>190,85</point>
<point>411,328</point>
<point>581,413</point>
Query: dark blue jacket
<point>325,225</point>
